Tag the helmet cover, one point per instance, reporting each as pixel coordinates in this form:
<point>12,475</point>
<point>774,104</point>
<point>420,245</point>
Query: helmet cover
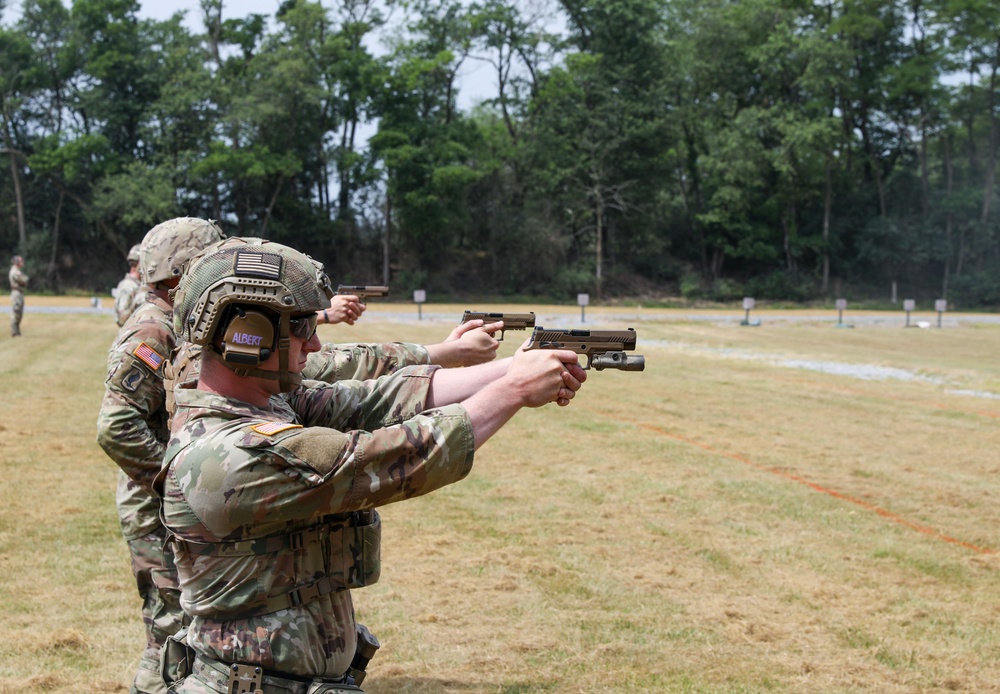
<point>169,246</point>
<point>247,272</point>
<point>241,276</point>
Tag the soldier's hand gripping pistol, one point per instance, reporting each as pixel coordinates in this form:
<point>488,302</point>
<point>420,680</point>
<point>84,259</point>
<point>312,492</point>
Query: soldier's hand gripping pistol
<point>605,349</point>
<point>364,291</point>
<point>511,321</point>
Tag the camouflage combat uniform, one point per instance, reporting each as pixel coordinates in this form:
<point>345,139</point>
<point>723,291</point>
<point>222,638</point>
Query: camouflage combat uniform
<point>18,283</point>
<point>258,499</point>
<point>132,430</point>
<point>348,362</point>
<point>128,298</point>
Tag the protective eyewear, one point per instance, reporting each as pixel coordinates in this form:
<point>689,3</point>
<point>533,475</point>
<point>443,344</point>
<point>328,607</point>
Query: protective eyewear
<point>303,327</point>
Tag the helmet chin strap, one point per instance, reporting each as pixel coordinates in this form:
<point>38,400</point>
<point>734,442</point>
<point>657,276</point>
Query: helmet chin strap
<point>287,381</point>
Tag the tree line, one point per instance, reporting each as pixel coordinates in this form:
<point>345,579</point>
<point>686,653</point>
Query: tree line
<point>788,149</point>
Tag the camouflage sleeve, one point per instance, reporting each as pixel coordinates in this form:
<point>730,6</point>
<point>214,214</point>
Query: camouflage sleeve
<point>345,362</point>
<point>131,426</point>
<point>124,293</point>
<point>363,404</point>
<point>302,473</point>
<point>17,278</point>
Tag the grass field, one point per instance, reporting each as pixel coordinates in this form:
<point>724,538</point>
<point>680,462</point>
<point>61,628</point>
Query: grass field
<point>789,508</point>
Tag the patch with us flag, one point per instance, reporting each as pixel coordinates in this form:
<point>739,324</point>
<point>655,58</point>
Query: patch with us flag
<point>257,264</point>
<point>272,428</point>
<point>148,355</point>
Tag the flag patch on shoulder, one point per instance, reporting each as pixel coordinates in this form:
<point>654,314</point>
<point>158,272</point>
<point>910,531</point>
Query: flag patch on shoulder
<point>272,428</point>
<point>148,355</point>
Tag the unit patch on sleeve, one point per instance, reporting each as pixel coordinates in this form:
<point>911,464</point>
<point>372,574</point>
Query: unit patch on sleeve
<point>148,355</point>
<point>272,428</point>
<point>132,379</point>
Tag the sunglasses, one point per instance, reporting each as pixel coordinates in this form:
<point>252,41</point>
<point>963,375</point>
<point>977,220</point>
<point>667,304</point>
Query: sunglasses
<point>303,327</point>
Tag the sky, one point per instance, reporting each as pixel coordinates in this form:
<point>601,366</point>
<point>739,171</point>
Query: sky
<point>476,81</point>
<point>163,9</point>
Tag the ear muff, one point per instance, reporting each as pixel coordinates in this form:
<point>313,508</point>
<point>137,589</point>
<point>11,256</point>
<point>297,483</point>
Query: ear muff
<point>249,338</point>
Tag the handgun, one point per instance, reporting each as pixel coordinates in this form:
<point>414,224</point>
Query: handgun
<point>364,291</point>
<point>605,349</point>
<point>511,321</point>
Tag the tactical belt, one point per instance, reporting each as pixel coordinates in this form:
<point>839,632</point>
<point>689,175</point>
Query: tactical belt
<point>218,675</point>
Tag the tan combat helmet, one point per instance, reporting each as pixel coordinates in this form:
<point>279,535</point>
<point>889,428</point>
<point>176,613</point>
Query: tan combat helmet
<point>242,298</point>
<point>169,246</point>
<point>133,254</point>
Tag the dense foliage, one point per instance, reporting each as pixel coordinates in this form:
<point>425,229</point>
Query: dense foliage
<point>780,148</point>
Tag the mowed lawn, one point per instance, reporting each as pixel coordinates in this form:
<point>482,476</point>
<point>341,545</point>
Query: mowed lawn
<point>785,508</point>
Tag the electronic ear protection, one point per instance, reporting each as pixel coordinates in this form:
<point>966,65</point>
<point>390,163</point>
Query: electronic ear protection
<point>249,338</point>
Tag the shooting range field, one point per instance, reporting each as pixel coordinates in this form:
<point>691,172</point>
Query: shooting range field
<point>783,508</point>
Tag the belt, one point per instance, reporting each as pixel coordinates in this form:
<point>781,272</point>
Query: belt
<point>215,674</point>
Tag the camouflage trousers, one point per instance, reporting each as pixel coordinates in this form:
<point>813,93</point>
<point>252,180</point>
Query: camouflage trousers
<point>16,312</point>
<point>156,579</point>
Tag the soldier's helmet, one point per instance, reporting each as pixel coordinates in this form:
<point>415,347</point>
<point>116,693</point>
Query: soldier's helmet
<point>169,246</point>
<point>242,298</point>
<point>133,254</point>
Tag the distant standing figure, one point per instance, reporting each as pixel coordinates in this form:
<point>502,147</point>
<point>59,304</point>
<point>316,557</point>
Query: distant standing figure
<point>18,283</point>
<point>128,293</point>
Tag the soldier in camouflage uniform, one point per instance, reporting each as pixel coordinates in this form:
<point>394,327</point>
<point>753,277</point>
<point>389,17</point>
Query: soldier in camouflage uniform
<point>128,296</point>
<point>270,482</point>
<point>132,424</point>
<point>18,283</point>
<point>132,429</point>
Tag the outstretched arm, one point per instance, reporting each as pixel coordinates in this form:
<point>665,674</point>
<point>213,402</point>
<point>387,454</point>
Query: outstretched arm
<point>492,393</point>
<point>344,308</point>
<point>468,344</point>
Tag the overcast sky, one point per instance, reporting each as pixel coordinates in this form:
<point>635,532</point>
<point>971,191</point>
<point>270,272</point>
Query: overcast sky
<point>476,81</point>
<point>162,9</point>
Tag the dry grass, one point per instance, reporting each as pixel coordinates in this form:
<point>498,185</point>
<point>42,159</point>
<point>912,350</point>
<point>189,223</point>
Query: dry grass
<point>735,519</point>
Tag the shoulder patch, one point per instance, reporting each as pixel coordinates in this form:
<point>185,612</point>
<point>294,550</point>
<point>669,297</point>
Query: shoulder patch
<point>133,379</point>
<point>272,428</point>
<point>148,355</point>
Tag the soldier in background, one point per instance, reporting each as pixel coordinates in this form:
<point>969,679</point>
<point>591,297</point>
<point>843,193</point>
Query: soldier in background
<point>269,483</point>
<point>132,429</point>
<point>18,283</point>
<point>128,295</point>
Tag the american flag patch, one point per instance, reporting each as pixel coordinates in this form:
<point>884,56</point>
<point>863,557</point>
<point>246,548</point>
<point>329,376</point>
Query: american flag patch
<point>257,264</point>
<point>148,355</point>
<point>272,428</point>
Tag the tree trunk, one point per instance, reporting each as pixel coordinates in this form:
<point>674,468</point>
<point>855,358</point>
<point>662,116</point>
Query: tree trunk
<point>270,205</point>
<point>991,163</point>
<point>924,175</point>
<point>385,238</point>
<point>970,128</point>
<point>599,212</point>
<point>718,258</point>
<point>52,272</point>
<point>788,224</point>
<point>827,205</point>
<point>22,233</point>
<point>948,219</point>
<point>212,16</point>
<point>345,176</point>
